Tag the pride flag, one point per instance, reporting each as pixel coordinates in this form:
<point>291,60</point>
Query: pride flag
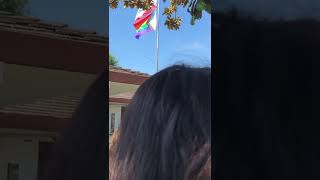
<point>146,20</point>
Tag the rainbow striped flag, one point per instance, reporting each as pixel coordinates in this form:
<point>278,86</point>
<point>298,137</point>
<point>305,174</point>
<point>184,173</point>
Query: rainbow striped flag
<point>145,21</point>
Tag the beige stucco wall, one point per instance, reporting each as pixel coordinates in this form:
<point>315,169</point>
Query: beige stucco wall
<point>16,150</point>
<point>24,84</point>
<point>119,88</point>
<point>21,147</point>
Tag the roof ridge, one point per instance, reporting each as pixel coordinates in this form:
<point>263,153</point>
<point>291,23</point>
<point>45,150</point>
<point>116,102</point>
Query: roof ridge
<point>126,70</point>
<point>33,24</point>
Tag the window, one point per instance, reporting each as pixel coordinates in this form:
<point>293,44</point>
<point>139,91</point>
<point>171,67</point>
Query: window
<point>123,110</point>
<point>44,152</point>
<point>13,171</point>
<point>112,125</point>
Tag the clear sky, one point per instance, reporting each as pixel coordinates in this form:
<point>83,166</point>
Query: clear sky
<point>190,45</point>
<point>80,14</point>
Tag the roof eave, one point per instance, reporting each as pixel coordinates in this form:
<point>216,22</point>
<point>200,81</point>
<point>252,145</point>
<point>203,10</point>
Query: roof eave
<point>53,53</point>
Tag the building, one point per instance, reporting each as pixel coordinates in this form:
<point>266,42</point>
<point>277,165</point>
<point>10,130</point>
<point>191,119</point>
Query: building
<point>122,85</point>
<point>38,60</point>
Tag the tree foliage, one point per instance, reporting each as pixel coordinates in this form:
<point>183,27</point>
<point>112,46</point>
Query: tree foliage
<point>14,6</point>
<point>173,21</point>
<point>113,60</point>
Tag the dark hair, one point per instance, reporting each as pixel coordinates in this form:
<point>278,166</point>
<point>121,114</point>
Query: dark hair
<point>166,132</point>
<point>266,91</point>
<point>81,152</point>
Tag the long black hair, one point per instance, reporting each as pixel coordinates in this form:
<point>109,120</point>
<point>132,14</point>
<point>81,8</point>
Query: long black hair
<point>81,152</point>
<point>166,131</point>
<point>266,98</point>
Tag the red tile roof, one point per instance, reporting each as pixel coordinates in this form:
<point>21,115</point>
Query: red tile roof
<point>127,71</point>
<point>58,107</point>
<point>27,24</point>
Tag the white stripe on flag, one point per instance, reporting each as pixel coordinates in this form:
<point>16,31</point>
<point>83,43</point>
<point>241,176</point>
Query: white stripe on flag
<point>139,14</point>
<point>153,21</point>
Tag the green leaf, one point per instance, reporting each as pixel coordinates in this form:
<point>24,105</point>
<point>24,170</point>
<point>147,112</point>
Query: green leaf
<point>112,60</point>
<point>193,19</point>
<point>200,6</point>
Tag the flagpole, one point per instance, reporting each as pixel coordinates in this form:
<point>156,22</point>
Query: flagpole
<point>157,34</point>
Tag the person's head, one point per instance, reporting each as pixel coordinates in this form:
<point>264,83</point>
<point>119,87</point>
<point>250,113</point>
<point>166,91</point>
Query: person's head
<point>81,151</point>
<point>165,133</point>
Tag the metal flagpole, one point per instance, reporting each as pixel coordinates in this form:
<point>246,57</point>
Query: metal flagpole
<point>157,38</point>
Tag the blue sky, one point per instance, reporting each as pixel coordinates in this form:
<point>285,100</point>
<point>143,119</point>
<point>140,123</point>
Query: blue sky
<point>80,14</point>
<point>190,45</point>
